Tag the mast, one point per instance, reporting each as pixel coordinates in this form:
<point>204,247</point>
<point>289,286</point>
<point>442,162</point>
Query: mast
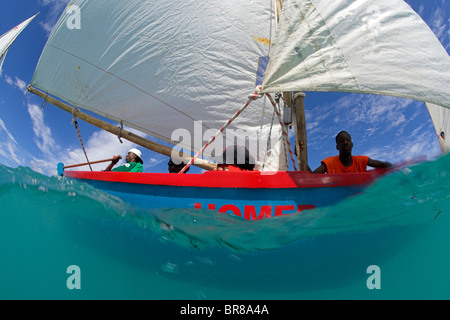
<point>204,164</point>
<point>295,101</point>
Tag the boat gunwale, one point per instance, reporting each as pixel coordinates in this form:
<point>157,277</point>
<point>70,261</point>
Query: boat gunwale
<point>221,179</point>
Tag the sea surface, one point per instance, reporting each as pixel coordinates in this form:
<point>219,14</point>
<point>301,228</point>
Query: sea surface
<point>62,239</point>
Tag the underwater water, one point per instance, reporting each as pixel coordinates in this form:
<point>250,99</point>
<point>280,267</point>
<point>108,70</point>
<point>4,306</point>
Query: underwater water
<point>62,239</point>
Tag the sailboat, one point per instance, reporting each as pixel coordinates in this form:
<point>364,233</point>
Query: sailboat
<point>7,39</point>
<point>201,76</point>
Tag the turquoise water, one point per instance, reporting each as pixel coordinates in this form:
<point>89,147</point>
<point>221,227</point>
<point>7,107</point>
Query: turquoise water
<point>400,224</point>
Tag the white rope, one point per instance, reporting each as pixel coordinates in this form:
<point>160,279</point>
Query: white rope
<point>283,129</point>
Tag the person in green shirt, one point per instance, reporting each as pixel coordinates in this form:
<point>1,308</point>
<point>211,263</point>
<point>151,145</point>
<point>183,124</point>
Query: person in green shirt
<point>133,159</point>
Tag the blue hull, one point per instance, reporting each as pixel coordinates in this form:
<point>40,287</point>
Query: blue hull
<point>251,196</point>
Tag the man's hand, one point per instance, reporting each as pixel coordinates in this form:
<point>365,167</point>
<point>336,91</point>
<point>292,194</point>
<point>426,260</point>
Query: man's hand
<point>116,159</point>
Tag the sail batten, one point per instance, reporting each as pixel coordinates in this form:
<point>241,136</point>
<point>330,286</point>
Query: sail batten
<point>371,47</point>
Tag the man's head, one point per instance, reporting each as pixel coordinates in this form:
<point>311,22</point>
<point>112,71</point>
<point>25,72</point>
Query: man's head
<point>344,143</point>
<point>238,156</point>
<point>175,168</point>
<point>134,155</point>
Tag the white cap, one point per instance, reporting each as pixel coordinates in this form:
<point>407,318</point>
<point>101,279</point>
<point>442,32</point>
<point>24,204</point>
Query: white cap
<point>136,152</point>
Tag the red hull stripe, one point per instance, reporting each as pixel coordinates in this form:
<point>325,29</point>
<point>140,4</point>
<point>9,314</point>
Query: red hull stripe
<point>223,179</point>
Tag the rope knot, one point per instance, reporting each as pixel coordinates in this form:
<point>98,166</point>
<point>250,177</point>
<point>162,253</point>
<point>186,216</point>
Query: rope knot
<point>256,95</point>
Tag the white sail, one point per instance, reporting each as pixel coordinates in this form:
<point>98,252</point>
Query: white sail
<point>441,121</point>
<point>363,46</point>
<point>159,66</point>
<point>8,38</point>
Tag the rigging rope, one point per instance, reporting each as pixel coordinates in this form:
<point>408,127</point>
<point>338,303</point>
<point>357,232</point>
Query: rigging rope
<point>251,97</point>
<point>283,128</point>
<point>269,137</point>
<point>74,121</point>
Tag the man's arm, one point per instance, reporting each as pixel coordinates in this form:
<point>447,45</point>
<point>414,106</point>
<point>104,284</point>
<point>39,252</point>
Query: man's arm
<point>321,169</point>
<point>113,162</point>
<point>378,164</point>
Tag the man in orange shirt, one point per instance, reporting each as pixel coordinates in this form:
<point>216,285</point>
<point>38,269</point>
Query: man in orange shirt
<point>345,161</point>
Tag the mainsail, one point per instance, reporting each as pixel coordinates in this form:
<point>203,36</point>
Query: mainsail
<point>176,70</point>
<point>8,38</point>
<point>363,46</point>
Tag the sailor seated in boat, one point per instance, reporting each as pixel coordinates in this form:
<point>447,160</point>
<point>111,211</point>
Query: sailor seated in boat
<point>345,162</point>
<point>236,159</point>
<point>133,159</point>
<point>175,168</point>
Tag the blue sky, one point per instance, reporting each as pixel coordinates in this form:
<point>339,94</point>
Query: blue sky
<point>384,128</point>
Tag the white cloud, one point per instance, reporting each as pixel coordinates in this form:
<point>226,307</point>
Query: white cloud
<point>382,127</point>
<point>56,7</point>
<point>421,10</point>
<point>104,145</point>
<point>439,25</point>
<point>9,148</point>
<point>43,134</point>
<point>99,145</point>
<point>9,135</point>
<point>151,162</point>
<point>17,83</point>
<point>438,20</point>
<point>422,146</point>
<point>353,110</point>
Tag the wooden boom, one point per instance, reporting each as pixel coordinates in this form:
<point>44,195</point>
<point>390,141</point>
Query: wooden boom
<point>151,145</point>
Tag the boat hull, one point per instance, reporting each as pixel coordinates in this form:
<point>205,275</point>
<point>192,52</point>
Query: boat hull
<point>250,195</point>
